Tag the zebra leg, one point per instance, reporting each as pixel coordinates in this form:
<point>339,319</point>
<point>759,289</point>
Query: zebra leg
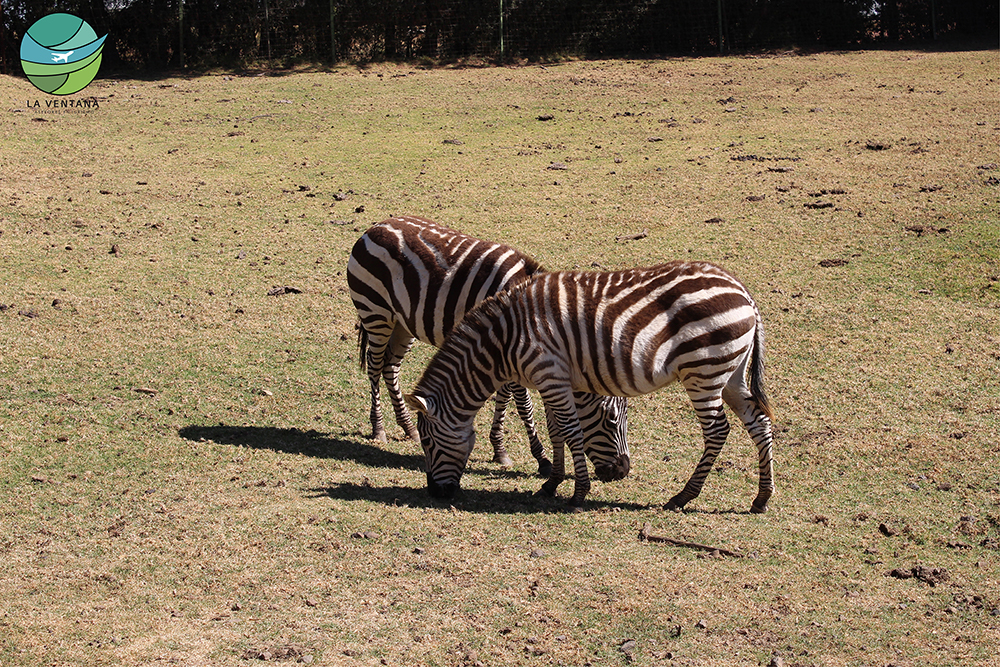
<point>715,429</point>
<point>375,357</point>
<point>582,486</point>
<point>399,344</point>
<point>526,411</point>
<point>496,431</point>
<point>759,427</point>
<point>564,426</point>
<point>557,470</point>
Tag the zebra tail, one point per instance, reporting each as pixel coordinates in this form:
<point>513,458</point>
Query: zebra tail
<point>757,370</point>
<point>362,346</point>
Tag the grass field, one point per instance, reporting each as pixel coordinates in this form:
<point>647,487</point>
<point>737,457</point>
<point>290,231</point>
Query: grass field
<point>185,477</point>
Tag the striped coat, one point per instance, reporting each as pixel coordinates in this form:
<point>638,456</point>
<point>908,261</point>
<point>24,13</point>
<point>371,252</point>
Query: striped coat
<point>410,279</point>
<point>621,333</point>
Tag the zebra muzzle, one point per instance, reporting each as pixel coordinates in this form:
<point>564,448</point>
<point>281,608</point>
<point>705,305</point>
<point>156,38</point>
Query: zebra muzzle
<point>441,491</point>
<point>610,472</point>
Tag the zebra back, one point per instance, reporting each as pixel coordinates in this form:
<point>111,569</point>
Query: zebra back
<point>427,276</point>
<point>622,333</point>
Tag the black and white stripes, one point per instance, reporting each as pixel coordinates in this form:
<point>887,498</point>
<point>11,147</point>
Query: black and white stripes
<point>412,279</point>
<point>621,333</point>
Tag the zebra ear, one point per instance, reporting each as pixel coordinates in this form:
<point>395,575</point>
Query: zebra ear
<point>417,404</point>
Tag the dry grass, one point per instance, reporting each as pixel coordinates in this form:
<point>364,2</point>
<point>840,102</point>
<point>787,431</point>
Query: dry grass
<point>183,468</point>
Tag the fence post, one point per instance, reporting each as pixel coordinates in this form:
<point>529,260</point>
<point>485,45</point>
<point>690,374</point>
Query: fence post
<point>267,31</point>
<point>180,30</point>
<point>333,37</point>
<point>722,48</point>
<point>502,53</point>
<point>3,43</point>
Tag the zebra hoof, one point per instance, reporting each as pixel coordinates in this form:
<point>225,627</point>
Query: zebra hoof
<point>673,505</point>
<point>548,489</point>
<point>544,468</point>
<point>759,505</point>
<point>576,503</point>
<point>503,460</point>
<point>379,435</point>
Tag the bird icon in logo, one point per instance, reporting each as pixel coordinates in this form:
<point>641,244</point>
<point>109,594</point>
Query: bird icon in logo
<point>64,56</point>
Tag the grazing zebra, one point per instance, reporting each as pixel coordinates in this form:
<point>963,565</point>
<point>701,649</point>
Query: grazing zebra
<point>622,333</point>
<point>411,278</point>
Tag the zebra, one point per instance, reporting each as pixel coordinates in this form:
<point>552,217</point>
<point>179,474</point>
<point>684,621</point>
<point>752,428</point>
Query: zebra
<point>411,278</point>
<point>622,333</point>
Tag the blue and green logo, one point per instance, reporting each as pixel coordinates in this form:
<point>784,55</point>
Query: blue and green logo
<point>61,54</point>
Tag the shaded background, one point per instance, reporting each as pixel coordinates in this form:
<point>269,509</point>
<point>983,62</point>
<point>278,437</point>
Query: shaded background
<point>153,35</point>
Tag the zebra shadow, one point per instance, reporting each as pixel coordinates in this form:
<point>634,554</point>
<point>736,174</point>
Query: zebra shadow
<point>466,500</point>
<point>494,471</point>
<point>340,447</point>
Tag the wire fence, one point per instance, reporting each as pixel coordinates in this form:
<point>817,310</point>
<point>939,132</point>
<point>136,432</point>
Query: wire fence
<point>164,34</point>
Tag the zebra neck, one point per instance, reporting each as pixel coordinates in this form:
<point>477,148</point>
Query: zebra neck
<point>466,372</point>
<point>482,376</point>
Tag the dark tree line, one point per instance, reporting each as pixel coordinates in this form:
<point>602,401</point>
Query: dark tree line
<point>159,34</point>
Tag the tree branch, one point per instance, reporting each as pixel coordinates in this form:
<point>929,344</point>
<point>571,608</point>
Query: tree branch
<point>646,536</point>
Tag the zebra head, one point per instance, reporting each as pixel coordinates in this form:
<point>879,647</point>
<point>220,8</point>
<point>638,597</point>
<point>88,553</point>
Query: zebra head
<point>604,419</point>
<point>447,446</point>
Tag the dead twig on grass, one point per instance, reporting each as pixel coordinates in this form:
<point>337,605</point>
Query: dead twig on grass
<point>632,237</point>
<point>646,536</point>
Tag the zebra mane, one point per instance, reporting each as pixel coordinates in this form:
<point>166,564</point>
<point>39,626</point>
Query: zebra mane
<point>483,315</point>
<point>489,309</point>
<point>531,265</point>
<point>453,355</point>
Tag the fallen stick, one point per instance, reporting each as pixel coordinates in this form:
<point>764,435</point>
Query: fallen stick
<point>632,237</point>
<point>645,536</point>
